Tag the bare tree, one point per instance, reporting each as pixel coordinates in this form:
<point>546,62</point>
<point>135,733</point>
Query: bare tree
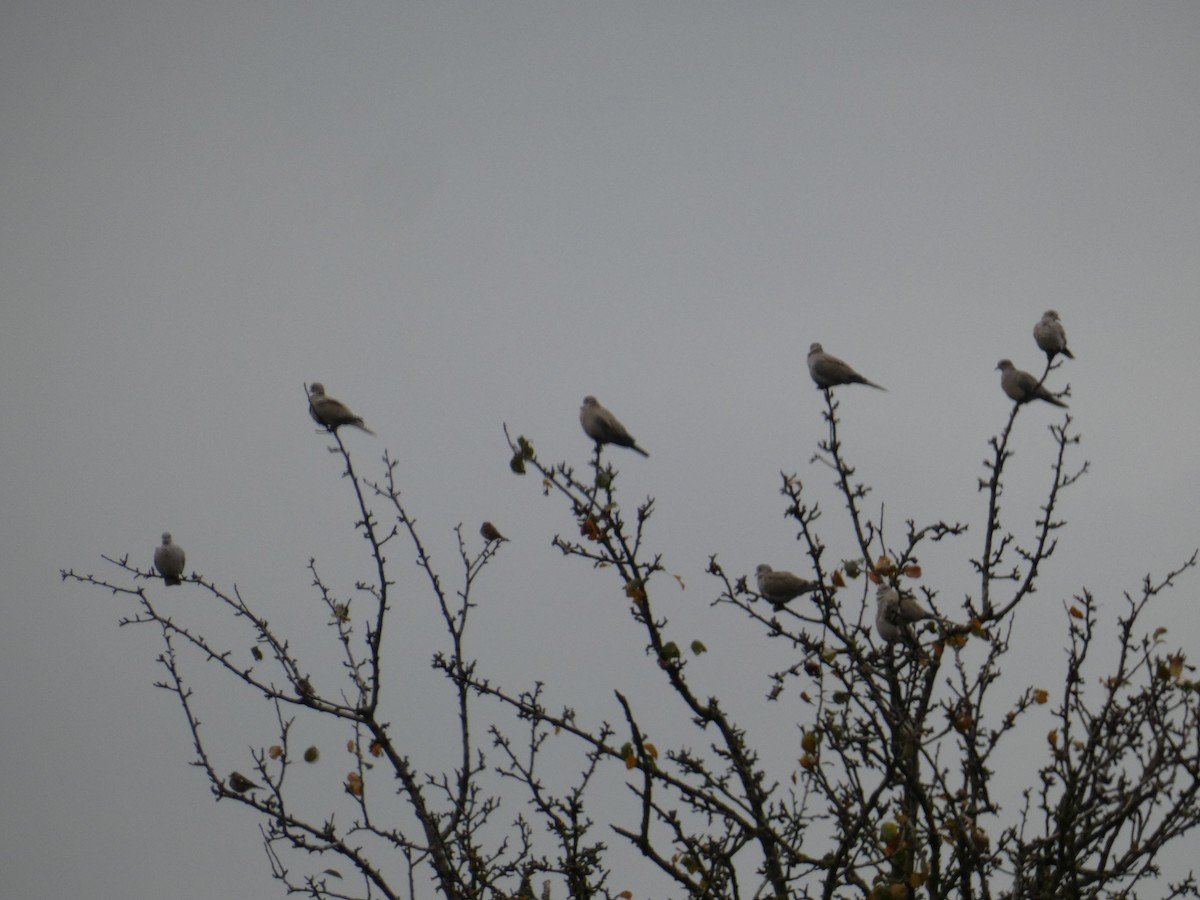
<point>895,793</point>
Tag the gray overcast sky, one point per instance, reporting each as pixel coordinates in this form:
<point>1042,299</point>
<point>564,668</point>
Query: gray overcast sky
<point>460,215</point>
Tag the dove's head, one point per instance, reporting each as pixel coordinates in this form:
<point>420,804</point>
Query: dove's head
<point>166,537</point>
<point>589,400</point>
<point>763,569</point>
<point>815,348</point>
<point>885,593</point>
<point>1050,314</point>
<point>1004,365</point>
<point>317,389</point>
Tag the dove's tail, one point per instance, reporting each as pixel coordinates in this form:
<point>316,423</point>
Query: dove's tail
<point>878,387</point>
<point>1067,353</point>
<point>358,423</point>
<point>639,450</point>
<point>171,579</point>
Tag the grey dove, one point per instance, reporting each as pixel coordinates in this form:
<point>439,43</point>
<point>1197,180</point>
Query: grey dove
<point>896,611</point>
<point>603,427</point>
<point>1051,336</point>
<point>780,587</point>
<point>1023,387</point>
<point>491,533</point>
<point>239,783</point>
<point>168,559</point>
<point>828,371</point>
<point>333,414</point>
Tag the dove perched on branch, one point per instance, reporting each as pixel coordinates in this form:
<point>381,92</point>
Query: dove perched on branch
<point>603,427</point>
<point>168,559</point>
<point>239,783</point>
<point>896,612</point>
<point>1051,336</point>
<point>333,414</point>
<point>1023,387</point>
<point>491,533</point>
<point>780,587</point>
<point>828,371</point>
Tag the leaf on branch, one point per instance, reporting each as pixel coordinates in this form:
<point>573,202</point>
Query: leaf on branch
<point>275,752</point>
<point>376,749</point>
<point>589,529</point>
<point>912,571</point>
<point>698,647</point>
<point>354,784</point>
<point>651,750</point>
<point>517,464</point>
<point>670,649</point>
<point>635,592</point>
<point>630,760</point>
<point>852,567</point>
<point>838,581</point>
<point>1052,738</point>
<point>682,586</point>
<point>256,653</point>
<point>1040,696</point>
<point>1076,612</point>
<point>334,872</point>
<point>311,755</point>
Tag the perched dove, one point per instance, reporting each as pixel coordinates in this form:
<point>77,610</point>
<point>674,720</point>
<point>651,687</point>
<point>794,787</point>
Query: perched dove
<point>1051,336</point>
<point>780,587</point>
<point>602,426</point>
<point>239,783</point>
<point>491,533</point>
<point>897,611</point>
<point>1023,387</point>
<point>331,413</point>
<point>168,559</point>
<point>828,371</point>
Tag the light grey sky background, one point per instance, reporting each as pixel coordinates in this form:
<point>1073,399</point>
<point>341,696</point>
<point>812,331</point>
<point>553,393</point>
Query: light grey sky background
<point>460,215</point>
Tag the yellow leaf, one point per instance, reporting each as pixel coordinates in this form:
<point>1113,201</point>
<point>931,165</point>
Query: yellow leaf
<point>651,750</point>
<point>376,749</point>
<point>630,761</point>
<point>1052,737</point>
<point>912,571</point>
<point>1040,696</point>
<point>1076,613</point>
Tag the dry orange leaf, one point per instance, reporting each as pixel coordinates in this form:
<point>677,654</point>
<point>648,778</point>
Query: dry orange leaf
<point>630,761</point>
<point>275,752</point>
<point>1040,696</point>
<point>376,749</point>
<point>651,750</point>
<point>912,571</point>
<point>874,579</point>
<point>1076,613</point>
<point>1052,737</point>
<point>354,784</point>
<point>682,586</point>
<point>838,580</point>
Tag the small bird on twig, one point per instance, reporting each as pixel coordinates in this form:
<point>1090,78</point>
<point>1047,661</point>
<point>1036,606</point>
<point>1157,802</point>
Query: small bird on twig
<point>1051,336</point>
<point>603,427</point>
<point>239,783</point>
<point>1023,387</point>
<point>780,587</point>
<point>829,371</point>
<point>168,559</point>
<point>333,414</point>
<point>491,533</point>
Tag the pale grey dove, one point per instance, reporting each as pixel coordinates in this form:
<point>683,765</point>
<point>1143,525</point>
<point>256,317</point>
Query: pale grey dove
<point>828,371</point>
<point>1023,387</point>
<point>491,533</point>
<point>1051,336</point>
<point>896,612</point>
<point>239,783</point>
<point>780,587</point>
<point>603,427</point>
<point>333,414</point>
<point>168,559</point>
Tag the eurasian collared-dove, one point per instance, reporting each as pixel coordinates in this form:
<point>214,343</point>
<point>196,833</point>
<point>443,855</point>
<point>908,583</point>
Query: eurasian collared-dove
<point>239,783</point>
<point>780,587</point>
<point>168,559</point>
<point>331,413</point>
<point>828,371</point>
<point>896,612</point>
<point>1023,387</point>
<point>602,426</point>
<point>491,533</point>
<point>1051,336</point>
